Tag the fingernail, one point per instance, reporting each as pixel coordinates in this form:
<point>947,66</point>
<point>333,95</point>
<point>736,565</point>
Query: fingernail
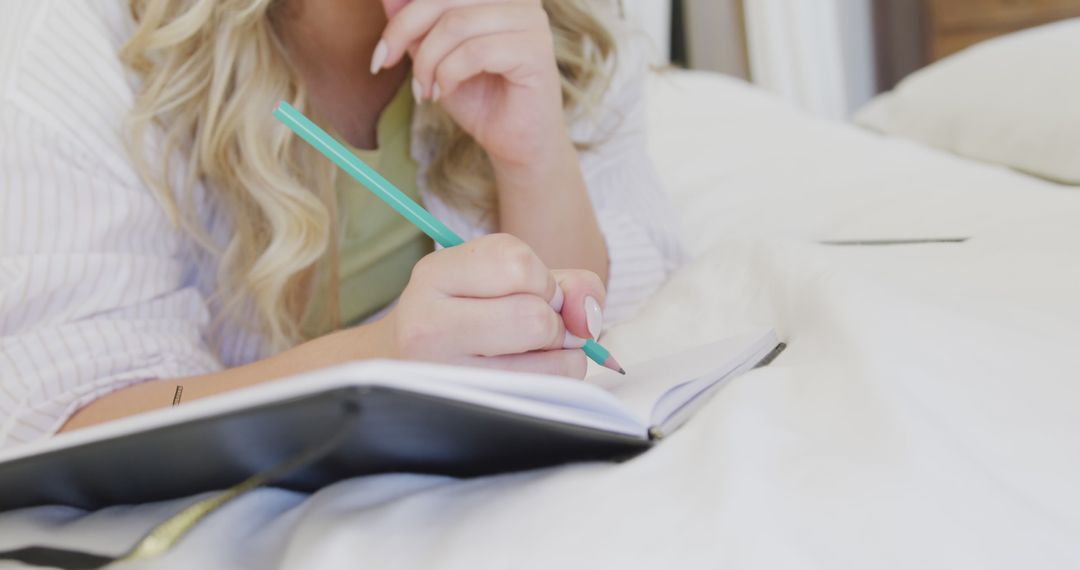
<point>416,89</point>
<point>557,299</point>
<point>594,317</point>
<point>435,92</point>
<point>378,57</point>
<point>571,341</point>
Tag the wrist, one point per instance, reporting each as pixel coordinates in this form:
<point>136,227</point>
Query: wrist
<point>544,166</point>
<point>371,340</point>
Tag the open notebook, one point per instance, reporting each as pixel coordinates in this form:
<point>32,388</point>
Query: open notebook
<point>375,417</point>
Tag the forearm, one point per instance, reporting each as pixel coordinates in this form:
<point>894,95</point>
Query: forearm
<point>342,346</point>
<point>546,204</point>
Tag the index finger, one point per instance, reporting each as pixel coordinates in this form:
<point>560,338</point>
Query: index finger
<point>495,265</point>
<point>410,22</point>
<point>392,7</point>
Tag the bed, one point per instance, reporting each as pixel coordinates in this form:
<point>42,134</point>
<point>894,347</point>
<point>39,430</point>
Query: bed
<point>925,414</point>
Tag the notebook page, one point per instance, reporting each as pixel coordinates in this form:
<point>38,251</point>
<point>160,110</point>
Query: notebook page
<point>566,394</point>
<point>654,389</point>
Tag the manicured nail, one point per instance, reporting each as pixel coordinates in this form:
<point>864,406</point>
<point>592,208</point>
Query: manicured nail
<point>378,58</point>
<point>557,299</point>
<point>571,341</point>
<point>594,317</point>
<point>435,92</point>
<point>417,91</point>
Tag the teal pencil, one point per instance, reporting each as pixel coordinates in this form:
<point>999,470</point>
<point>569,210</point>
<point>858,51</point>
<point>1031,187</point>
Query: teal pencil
<point>396,199</point>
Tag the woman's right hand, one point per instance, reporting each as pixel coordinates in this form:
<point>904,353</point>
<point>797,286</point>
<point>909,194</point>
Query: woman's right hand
<point>488,302</point>
<point>491,302</point>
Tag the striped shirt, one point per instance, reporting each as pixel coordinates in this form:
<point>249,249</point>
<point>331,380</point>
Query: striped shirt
<point>99,291</point>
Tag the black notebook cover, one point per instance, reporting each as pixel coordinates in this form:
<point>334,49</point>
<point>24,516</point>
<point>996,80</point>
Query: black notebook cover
<point>370,429</point>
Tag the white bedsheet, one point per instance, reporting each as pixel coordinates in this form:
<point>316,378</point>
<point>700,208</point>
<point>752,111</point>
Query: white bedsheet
<point>925,415</point>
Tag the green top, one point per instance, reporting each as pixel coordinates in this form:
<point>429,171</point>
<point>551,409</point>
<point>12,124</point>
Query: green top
<point>393,197</point>
<point>379,247</point>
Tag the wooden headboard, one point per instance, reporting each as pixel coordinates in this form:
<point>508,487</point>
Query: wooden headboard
<point>913,33</point>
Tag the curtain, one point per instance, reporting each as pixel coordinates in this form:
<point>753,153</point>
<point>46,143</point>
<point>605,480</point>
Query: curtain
<point>654,18</point>
<point>818,54</point>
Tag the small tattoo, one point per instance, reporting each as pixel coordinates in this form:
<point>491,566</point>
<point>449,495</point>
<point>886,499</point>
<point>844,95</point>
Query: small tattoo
<point>177,395</point>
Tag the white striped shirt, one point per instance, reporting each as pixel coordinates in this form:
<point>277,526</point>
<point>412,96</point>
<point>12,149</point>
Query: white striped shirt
<point>99,291</point>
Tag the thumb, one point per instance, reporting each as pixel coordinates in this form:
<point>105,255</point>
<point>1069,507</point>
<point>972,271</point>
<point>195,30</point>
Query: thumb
<point>583,301</point>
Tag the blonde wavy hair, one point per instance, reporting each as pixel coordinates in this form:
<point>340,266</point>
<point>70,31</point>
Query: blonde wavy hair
<point>211,72</point>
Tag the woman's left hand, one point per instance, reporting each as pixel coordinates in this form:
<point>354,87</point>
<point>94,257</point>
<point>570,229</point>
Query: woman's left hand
<point>490,64</point>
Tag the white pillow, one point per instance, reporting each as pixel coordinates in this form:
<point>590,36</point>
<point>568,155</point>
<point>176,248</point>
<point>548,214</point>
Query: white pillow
<point>1013,101</point>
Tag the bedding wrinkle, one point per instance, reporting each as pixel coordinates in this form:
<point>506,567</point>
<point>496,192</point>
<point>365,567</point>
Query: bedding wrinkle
<point>922,416</point>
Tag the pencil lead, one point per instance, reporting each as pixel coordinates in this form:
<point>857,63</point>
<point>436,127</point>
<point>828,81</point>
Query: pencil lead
<point>613,365</point>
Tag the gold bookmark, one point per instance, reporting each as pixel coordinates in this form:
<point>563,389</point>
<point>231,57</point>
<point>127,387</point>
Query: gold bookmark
<point>164,536</point>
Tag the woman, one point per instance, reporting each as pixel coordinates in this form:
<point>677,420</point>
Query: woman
<point>161,230</point>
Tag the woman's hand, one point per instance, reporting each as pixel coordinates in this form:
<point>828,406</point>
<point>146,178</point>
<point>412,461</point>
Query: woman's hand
<point>490,64</point>
<point>490,302</point>
<point>487,302</point>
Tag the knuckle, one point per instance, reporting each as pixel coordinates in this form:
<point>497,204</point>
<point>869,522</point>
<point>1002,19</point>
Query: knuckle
<point>421,271</point>
<point>501,240</point>
<point>518,263</point>
<point>455,23</point>
<point>474,51</point>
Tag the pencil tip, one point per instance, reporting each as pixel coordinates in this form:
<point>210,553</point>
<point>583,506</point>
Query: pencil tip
<point>613,365</point>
